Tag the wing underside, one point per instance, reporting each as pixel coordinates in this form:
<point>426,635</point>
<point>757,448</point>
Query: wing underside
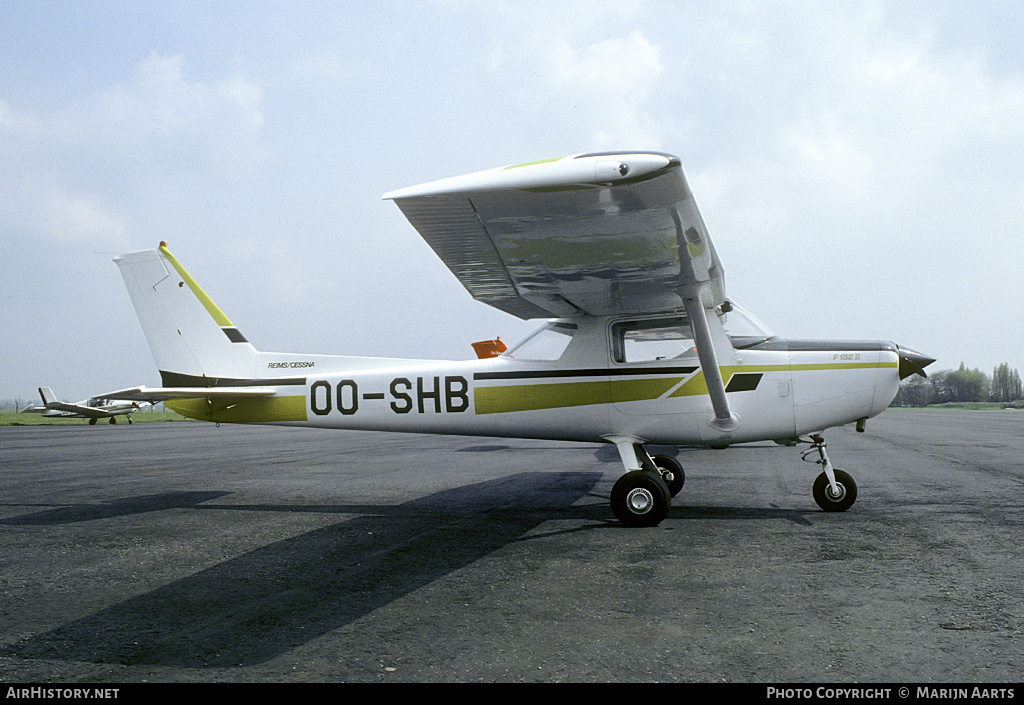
<point>87,411</point>
<point>590,234</point>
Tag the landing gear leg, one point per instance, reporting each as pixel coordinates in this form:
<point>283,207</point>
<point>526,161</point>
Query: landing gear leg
<point>671,472</point>
<point>833,490</point>
<point>642,496</point>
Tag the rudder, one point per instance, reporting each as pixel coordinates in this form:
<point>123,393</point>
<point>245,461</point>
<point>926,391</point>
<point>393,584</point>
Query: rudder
<point>192,341</point>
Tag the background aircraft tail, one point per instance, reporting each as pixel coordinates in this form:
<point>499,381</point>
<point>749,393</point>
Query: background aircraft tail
<point>47,395</point>
<point>193,342</point>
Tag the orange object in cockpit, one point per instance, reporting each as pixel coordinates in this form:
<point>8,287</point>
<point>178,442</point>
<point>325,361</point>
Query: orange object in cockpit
<point>489,348</point>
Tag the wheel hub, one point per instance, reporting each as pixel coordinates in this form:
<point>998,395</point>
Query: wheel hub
<point>640,500</point>
<point>836,495</point>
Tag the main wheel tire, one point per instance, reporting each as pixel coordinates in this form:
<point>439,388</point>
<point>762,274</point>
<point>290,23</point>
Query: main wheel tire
<point>822,492</point>
<point>640,498</point>
<point>671,472</point>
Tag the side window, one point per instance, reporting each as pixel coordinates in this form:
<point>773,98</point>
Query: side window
<point>652,340</point>
<point>546,344</point>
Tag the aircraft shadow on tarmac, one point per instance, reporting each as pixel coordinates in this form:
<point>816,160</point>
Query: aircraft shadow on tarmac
<point>261,604</point>
<point>114,508</point>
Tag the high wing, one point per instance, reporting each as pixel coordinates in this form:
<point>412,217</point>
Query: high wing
<point>599,234</point>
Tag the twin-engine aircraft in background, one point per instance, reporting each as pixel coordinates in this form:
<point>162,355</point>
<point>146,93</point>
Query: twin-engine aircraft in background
<point>642,345</point>
<point>94,409</point>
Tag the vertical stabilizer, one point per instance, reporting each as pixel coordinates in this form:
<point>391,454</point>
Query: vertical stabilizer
<point>47,395</point>
<point>193,342</point>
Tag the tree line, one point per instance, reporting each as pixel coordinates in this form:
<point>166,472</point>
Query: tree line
<point>961,385</point>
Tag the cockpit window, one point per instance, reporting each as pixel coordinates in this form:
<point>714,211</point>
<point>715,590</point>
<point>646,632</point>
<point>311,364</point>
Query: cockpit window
<point>651,340</point>
<point>547,343</point>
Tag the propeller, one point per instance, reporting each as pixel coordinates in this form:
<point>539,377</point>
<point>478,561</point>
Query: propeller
<point>913,362</point>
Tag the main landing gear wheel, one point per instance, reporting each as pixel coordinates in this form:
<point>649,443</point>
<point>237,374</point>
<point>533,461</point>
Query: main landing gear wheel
<point>835,501</point>
<point>671,472</point>
<point>640,498</point>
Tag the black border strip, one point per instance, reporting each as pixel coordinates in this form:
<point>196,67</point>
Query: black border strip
<point>176,379</point>
<point>610,372</point>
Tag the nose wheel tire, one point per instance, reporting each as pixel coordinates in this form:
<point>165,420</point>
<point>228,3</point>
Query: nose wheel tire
<point>835,501</point>
<point>640,498</point>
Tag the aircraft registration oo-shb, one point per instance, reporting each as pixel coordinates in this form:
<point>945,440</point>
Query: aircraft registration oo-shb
<point>640,344</point>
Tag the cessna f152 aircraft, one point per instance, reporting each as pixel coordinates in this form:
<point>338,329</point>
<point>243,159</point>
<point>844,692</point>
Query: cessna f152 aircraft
<point>94,409</point>
<point>642,346</point>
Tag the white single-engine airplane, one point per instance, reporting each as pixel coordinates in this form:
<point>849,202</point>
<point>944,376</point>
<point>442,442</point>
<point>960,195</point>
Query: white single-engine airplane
<point>94,408</point>
<point>643,347</point>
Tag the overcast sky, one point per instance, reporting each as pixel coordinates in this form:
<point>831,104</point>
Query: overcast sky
<point>860,165</point>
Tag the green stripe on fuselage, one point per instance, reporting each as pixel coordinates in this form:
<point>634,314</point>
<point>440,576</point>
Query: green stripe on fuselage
<point>261,410</point>
<point>528,397</point>
<point>557,395</point>
<point>531,397</point>
<point>697,385</point>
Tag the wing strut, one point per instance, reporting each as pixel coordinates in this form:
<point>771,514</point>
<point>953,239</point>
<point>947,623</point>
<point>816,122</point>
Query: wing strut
<point>724,419</point>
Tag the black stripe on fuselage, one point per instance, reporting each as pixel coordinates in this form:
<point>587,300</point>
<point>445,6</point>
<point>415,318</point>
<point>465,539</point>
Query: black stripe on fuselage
<point>176,379</point>
<point>548,374</point>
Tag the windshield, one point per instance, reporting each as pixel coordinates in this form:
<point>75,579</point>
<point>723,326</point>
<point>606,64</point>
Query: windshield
<point>546,343</point>
<point>743,328</point>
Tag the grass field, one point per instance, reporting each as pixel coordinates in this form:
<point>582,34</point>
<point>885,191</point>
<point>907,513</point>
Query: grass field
<point>11,418</point>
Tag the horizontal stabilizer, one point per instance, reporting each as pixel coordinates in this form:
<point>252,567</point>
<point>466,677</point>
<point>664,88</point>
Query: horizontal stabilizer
<point>159,394</point>
<point>224,404</point>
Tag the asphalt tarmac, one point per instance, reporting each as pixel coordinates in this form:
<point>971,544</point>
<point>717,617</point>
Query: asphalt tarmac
<point>183,552</point>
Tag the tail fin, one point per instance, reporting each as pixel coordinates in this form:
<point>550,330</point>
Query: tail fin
<point>193,342</point>
<point>47,395</point>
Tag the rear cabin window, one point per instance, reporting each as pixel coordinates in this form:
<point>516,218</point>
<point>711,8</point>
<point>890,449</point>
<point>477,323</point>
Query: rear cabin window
<point>546,344</point>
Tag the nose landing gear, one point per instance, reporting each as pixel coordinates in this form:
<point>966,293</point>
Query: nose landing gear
<point>833,490</point>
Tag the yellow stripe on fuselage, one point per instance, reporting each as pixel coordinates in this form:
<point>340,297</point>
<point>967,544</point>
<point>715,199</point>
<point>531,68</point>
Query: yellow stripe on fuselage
<point>261,410</point>
<point>557,395</point>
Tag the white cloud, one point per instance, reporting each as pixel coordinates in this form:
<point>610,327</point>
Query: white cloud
<point>599,92</point>
<point>162,117</point>
<point>610,83</point>
<point>83,171</point>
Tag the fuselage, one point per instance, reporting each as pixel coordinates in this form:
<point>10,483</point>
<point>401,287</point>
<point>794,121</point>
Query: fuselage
<point>589,385</point>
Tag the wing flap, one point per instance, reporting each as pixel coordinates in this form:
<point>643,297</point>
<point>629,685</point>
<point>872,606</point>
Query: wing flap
<point>453,230</point>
